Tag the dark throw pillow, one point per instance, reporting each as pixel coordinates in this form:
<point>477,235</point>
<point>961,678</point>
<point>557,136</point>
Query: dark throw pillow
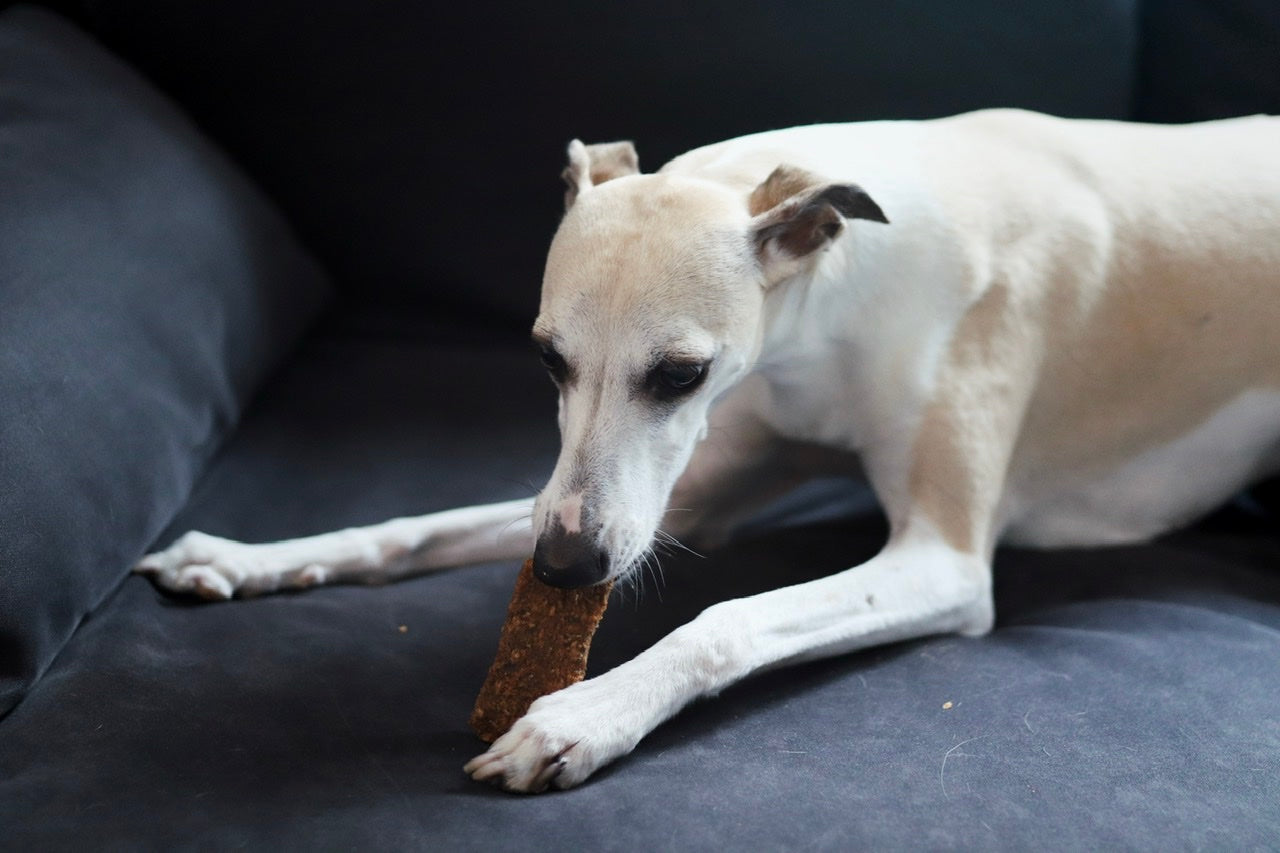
<point>146,287</point>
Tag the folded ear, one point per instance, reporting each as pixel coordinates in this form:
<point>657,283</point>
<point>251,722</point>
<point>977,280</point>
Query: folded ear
<point>594,164</point>
<point>797,215</point>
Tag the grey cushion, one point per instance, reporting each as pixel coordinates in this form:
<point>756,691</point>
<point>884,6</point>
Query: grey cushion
<point>145,289</point>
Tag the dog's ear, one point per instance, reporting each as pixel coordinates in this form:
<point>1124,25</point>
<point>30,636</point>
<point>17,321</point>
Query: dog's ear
<point>796,215</point>
<point>594,164</point>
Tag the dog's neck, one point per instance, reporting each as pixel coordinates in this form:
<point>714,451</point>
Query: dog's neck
<point>850,352</point>
<point>823,341</point>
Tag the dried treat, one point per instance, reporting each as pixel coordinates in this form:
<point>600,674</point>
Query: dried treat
<point>543,648</point>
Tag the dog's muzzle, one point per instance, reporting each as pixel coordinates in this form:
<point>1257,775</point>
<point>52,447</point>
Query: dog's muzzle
<point>569,560</point>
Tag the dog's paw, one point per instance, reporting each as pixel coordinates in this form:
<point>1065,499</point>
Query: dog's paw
<point>564,738</point>
<point>216,569</point>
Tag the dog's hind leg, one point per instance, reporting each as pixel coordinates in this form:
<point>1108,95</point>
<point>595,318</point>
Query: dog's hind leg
<point>216,568</point>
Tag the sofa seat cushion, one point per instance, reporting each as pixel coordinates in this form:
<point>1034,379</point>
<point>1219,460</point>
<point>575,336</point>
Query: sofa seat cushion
<point>1126,698</point>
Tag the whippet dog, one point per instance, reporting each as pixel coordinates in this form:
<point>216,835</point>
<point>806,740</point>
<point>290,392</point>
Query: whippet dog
<point>1024,329</point>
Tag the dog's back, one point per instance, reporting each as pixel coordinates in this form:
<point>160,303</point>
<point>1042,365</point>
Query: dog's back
<point>1142,262</point>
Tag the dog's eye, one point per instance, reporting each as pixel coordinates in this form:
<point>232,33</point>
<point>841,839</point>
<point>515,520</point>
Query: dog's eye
<point>675,379</point>
<point>553,362</point>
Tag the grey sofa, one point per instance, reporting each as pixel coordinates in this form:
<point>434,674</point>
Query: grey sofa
<point>268,270</point>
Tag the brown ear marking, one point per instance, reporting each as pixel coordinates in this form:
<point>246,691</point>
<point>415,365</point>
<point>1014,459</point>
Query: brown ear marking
<point>786,183</point>
<point>783,183</point>
<point>803,223</point>
<point>853,202</point>
<point>590,165</point>
<point>611,160</point>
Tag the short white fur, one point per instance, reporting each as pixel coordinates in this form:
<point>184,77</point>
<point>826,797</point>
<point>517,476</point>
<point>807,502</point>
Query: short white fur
<point>1068,333</point>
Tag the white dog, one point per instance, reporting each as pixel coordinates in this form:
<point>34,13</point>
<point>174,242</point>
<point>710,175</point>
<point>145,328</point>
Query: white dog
<point>1069,335</point>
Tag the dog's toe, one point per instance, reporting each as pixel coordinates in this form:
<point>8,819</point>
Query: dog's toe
<point>558,744</point>
<point>550,773</point>
<point>207,583</point>
<point>217,569</point>
<point>486,767</point>
<point>520,761</point>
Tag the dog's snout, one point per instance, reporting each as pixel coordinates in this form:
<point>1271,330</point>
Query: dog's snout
<point>569,560</point>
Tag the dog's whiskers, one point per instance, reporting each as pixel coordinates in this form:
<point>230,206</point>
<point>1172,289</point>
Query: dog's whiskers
<point>527,518</point>
<point>653,566</point>
<point>533,490</point>
<point>666,538</point>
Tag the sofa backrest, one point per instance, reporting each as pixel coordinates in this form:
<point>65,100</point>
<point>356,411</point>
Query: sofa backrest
<point>1207,59</point>
<point>417,146</point>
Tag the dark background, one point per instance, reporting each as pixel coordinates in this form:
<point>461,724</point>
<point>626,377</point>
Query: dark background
<point>417,146</point>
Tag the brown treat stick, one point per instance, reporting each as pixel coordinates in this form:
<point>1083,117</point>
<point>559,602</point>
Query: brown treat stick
<point>543,648</point>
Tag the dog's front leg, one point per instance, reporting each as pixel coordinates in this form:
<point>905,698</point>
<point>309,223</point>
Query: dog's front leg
<point>932,577</point>
<point>916,586</point>
<point>217,568</point>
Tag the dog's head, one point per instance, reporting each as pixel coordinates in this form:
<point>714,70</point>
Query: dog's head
<point>651,309</point>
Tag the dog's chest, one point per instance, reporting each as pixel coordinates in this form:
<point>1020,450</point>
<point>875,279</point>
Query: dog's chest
<point>851,359</point>
<point>849,392</point>
<point>820,410</point>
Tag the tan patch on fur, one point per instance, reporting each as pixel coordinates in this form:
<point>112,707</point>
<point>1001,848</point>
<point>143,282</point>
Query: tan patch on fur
<point>1163,352</point>
<point>1120,322</point>
<point>650,252</point>
<point>783,183</point>
<point>1165,305</point>
<point>959,458</point>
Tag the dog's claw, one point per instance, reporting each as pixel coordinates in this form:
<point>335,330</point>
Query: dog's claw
<point>208,583</point>
<point>549,773</point>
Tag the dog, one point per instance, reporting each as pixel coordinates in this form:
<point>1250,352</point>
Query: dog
<point>1018,328</point>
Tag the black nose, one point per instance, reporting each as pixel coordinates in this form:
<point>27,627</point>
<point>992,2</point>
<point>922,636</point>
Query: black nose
<point>568,560</point>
